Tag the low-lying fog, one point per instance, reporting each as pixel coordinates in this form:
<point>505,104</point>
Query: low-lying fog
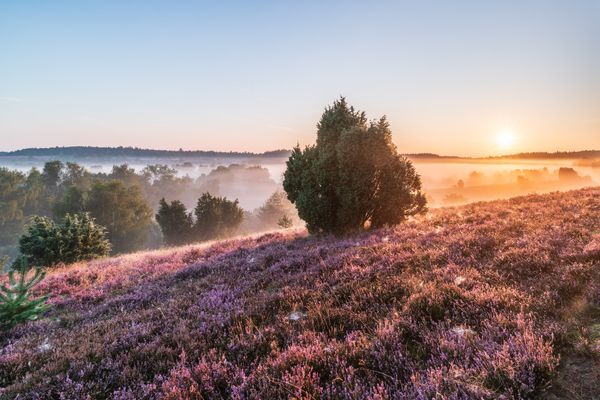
<point>464,180</point>
<point>250,180</point>
<point>446,181</point>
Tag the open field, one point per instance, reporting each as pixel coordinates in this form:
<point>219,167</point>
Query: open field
<point>488,300</point>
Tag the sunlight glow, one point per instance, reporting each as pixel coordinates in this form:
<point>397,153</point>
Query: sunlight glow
<point>506,138</point>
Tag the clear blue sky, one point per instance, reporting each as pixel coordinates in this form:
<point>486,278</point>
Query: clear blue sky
<point>255,76</point>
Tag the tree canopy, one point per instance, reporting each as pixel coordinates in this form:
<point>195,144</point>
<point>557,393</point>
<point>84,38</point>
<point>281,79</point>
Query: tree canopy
<point>353,176</point>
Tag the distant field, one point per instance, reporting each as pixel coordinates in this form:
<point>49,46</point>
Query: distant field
<point>489,300</point>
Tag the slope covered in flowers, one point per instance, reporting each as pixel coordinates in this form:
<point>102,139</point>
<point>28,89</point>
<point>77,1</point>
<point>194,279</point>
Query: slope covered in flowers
<point>479,301</point>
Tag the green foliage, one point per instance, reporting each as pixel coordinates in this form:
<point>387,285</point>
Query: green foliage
<point>52,174</point>
<point>77,238</point>
<point>72,202</point>
<point>40,245</point>
<point>275,208</point>
<point>12,201</point>
<point>68,188</point>
<point>216,217</point>
<point>175,222</point>
<point>285,222</point>
<point>123,211</point>
<point>353,176</point>
<point>76,176</point>
<point>16,302</point>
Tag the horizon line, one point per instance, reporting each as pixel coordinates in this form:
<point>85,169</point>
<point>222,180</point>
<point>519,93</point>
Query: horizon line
<point>275,152</point>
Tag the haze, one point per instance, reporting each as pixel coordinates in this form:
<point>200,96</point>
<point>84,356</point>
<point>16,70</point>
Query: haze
<point>452,77</point>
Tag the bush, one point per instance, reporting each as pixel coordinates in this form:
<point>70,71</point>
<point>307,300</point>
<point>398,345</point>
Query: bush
<point>216,217</point>
<point>76,238</point>
<point>353,177</point>
<point>285,222</point>
<point>16,306</point>
<point>175,222</point>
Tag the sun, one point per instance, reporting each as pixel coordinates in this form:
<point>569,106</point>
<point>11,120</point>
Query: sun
<point>506,138</point>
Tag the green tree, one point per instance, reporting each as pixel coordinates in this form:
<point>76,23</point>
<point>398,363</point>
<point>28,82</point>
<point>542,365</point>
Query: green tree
<point>76,175</point>
<point>127,175</point>
<point>12,202</point>
<point>275,207</point>
<point>123,211</point>
<point>216,217</point>
<point>40,245</point>
<point>16,302</point>
<point>52,175</point>
<point>36,202</point>
<point>77,238</point>
<point>353,177</point>
<point>82,239</point>
<point>71,202</point>
<point>175,222</point>
<point>285,222</point>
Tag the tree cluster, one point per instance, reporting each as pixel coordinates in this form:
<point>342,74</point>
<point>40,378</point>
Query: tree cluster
<point>214,217</point>
<point>124,200</point>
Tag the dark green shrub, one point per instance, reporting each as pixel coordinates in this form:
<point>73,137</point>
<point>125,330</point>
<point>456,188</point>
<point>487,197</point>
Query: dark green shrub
<point>353,176</point>
<point>216,217</point>
<point>175,222</point>
<point>76,238</point>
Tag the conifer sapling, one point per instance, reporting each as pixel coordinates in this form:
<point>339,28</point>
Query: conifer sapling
<point>16,302</point>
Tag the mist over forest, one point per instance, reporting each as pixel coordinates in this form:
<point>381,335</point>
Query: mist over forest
<point>251,179</point>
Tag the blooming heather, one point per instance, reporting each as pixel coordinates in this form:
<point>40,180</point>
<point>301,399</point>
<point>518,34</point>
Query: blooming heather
<point>466,302</point>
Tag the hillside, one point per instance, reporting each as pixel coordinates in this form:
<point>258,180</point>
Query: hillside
<point>489,300</point>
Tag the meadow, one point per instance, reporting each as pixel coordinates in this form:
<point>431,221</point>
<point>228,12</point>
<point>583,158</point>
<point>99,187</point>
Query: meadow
<point>488,300</point>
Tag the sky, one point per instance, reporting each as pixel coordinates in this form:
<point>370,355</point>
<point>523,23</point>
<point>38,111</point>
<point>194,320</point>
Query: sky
<point>454,77</point>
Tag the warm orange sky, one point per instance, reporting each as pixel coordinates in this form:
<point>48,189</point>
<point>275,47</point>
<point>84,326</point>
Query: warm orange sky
<point>255,77</point>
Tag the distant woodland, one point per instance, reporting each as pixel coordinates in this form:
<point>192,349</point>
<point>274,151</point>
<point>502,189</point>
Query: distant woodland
<point>92,151</point>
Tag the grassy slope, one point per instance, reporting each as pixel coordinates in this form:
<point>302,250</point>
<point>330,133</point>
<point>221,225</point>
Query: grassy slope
<point>476,301</point>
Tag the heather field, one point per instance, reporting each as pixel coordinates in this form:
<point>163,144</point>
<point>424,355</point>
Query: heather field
<point>494,300</point>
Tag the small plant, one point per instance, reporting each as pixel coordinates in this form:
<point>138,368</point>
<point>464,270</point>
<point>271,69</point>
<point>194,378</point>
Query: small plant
<point>16,304</point>
<point>285,222</point>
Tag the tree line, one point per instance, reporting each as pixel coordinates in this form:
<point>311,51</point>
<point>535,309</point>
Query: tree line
<point>120,151</point>
<point>124,202</point>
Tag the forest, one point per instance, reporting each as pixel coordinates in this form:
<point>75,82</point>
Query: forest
<point>125,201</point>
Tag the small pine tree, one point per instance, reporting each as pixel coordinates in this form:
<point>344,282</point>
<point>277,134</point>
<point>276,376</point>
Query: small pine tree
<point>274,208</point>
<point>285,222</point>
<point>16,303</point>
